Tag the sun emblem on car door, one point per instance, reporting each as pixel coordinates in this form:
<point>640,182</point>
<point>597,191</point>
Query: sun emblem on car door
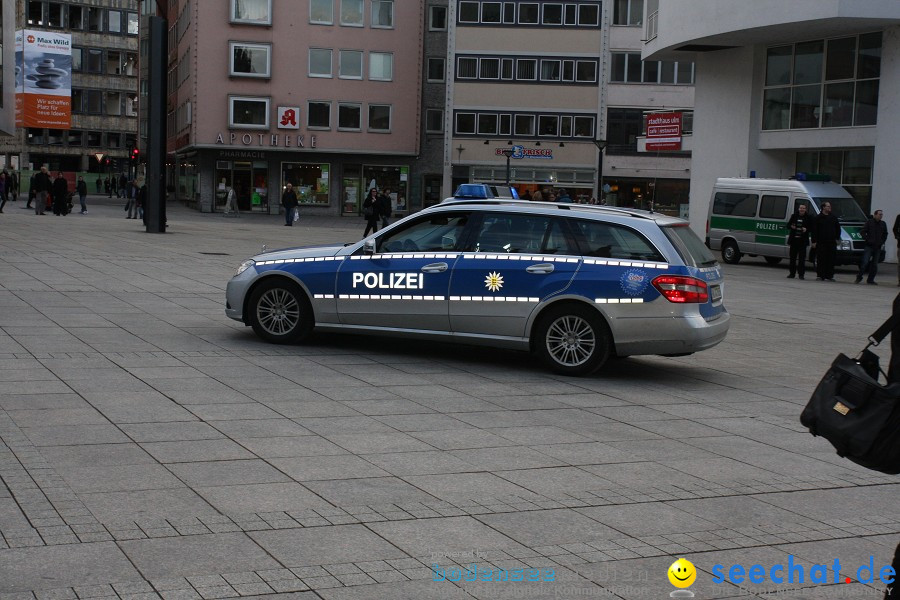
<point>493,281</point>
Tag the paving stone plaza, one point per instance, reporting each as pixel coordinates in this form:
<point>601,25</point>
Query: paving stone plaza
<point>153,448</point>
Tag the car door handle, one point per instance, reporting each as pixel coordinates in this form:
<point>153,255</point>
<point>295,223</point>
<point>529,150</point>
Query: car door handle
<point>435,268</point>
<point>541,269</point>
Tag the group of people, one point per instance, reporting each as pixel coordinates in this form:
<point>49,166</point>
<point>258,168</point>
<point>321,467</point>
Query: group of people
<point>823,232</point>
<point>9,186</point>
<point>47,192</point>
<point>377,208</point>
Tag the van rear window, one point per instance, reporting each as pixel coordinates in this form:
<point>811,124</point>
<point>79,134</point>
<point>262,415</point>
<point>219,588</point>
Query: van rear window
<point>735,204</point>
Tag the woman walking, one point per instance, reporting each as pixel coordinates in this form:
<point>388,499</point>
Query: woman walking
<point>290,203</point>
<point>370,212</point>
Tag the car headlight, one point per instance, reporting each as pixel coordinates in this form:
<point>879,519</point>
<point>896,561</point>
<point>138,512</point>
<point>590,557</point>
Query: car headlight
<point>244,266</point>
<point>845,245</point>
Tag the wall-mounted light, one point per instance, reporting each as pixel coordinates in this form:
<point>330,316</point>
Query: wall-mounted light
<point>486,142</point>
<point>562,144</point>
<point>538,143</point>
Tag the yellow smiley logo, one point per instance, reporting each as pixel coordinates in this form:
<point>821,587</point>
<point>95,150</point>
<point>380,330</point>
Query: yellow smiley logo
<point>682,573</point>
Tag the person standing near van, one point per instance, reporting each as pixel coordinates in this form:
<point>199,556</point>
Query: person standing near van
<point>826,232</point>
<point>897,237</point>
<point>874,232</point>
<point>800,225</point>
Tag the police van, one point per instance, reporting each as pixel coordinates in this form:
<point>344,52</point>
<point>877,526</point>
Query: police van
<point>750,216</point>
<point>575,284</point>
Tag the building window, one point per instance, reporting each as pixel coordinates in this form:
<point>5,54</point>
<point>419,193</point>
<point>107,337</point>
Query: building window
<point>318,115</point>
<point>584,127</point>
<point>114,104</point>
<point>94,19</point>
<point>383,13</point>
<point>94,61</point>
<point>93,102</point>
<point>35,16</point>
<point>76,17</point>
<point>548,125</point>
<point>491,12</point>
<point>437,18</point>
<point>321,12</point>
<point>507,68</point>
<point>248,112</point>
<point>77,100</point>
<point>251,12</point>
<point>114,21</point>
<point>550,70</point>
<point>75,137</point>
<point>588,15</point>
<point>132,18</point>
<point>526,69</point>
<point>113,140</point>
<point>823,83</point>
<point>251,60</point>
<point>55,14</point>
<point>352,12</point>
<point>350,64</point>
<point>627,67</point>
<point>76,59</point>
<point>465,123</point>
<point>94,139</point>
<point>623,127</point>
<point>628,12</point>
<point>434,121</point>
<point>468,12</point>
<point>349,116</point>
<point>489,68</point>
<point>552,14</point>
<point>436,70</point>
<point>487,124</point>
<point>852,169</point>
<point>381,66</point>
<point>529,14</point>
<point>586,71</point>
<point>524,125</point>
<point>320,62</point>
<point>467,68</point>
<point>380,118</point>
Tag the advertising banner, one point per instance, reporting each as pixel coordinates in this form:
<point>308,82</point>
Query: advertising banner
<point>44,95</point>
<point>664,131</point>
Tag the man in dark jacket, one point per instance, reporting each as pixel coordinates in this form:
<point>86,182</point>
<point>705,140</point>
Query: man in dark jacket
<point>799,225</point>
<point>41,185</point>
<point>874,232</point>
<point>289,202</point>
<point>81,189</point>
<point>826,232</point>
<point>897,237</point>
<point>384,207</point>
<point>60,195</point>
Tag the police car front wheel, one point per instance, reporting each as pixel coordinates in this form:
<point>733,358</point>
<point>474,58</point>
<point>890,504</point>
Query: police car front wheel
<point>280,312</point>
<point>573,340</point>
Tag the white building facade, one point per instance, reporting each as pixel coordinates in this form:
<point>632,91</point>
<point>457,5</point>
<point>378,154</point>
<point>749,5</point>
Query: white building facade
<point>788,87</point>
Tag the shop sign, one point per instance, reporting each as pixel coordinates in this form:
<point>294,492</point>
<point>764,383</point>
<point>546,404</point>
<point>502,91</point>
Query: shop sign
<point>523,152</point>
<point>273,140</point>
<point>664,131</point>
<point>242,154</point>
<point>288,117</point>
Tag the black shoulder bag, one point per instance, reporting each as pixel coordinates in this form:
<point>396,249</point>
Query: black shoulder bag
<point>855,412</point>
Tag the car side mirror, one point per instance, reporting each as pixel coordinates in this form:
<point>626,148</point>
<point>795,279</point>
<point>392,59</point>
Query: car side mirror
<point>369,247</point>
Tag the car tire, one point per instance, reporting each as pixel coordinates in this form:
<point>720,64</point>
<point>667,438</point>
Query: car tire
<point>730,253</point>
<point>573,340</point>
<point>773,260</point>
<point>280,312</point>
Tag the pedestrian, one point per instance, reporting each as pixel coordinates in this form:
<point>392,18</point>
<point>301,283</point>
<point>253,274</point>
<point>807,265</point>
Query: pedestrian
<point>106,187</point>
<point>99,183</point>
<point>41,185</point>
<point>564,197</point>
<point>384,206</point>
<point>134,206</point>
<point>893,376</point>
<point>4,183</point>
<point>897,237</point>
<point>551,196</point>
<point>538,196</point>
<point>81,189</point>
<point>290,203</point>
<point>141,198</point>
<point>826,232</point>
<point>370,212</point>
<point>31,190</point>
<point>526,195</point>
<point>800,225</point>
<point>60,195</point>
<point>129,189</point>
<point>874,233</point>
<point>123,184</point>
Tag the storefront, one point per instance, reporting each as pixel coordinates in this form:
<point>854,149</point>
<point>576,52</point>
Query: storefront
<point>662,195</point>
<point>250,181</point>
<point>360,178</point>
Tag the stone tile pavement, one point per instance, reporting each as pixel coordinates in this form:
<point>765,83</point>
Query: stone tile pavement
<point>152,448</point>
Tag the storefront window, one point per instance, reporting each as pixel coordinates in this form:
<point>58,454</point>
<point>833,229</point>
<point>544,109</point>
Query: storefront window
<point>393,179</point>
<point>850,168</point>
<point>310,181</point>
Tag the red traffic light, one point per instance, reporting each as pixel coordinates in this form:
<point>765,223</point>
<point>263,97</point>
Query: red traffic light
<point>107,161</point>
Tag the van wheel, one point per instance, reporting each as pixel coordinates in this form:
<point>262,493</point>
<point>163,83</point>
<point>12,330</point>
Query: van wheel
<point>730,252</point>
<point>280,312</point>
<point>573,340</point>
<point>773,260</point>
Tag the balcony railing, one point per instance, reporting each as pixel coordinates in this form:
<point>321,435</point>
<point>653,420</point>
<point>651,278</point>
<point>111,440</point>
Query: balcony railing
<point>652,26</point>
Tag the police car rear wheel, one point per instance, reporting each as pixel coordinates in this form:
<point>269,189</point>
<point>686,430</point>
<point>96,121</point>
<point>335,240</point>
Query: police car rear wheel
<point>280,312</point>
<point>730,253</point>
<point>573,340</point>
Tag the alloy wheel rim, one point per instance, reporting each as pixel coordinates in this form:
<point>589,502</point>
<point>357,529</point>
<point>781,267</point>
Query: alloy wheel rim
<point>278,312</point>
<point>571,341</point>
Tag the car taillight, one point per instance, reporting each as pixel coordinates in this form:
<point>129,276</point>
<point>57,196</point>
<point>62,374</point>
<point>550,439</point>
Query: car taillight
<point>682,290</point>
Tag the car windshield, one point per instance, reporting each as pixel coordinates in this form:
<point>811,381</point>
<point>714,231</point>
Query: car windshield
<point>845,209</point>
<point>693,251</point>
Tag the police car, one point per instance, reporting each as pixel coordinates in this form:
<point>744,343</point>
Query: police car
<point>575,284</point>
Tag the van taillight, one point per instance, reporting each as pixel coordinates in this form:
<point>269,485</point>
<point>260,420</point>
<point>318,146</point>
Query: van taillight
<point>682,290</point>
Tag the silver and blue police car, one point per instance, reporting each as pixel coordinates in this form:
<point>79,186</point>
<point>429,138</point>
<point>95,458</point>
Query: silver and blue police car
<point>575,284</point>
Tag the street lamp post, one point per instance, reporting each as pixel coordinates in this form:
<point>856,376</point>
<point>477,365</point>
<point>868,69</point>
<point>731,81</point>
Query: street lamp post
<point>601,144</point>
<point>507,152</point>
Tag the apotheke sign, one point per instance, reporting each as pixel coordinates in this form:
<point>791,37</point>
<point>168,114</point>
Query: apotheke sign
<point>272,140</point>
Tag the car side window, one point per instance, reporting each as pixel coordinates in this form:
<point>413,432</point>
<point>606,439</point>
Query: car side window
<point>439,232</point>
<point>606,240</point>
<point>518,234</point>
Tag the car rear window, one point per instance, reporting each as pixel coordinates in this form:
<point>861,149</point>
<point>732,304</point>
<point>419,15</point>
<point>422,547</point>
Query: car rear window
<point>693,252</point>
<point>606,240</point>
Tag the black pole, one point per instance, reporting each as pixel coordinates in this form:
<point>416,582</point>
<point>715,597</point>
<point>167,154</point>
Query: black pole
<point>155,198</point>
<point>507,169</point>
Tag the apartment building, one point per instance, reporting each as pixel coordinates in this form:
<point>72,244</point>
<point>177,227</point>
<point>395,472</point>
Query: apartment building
<point>322,94</point>
<point>104,87</point>
<point>788,87</point>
